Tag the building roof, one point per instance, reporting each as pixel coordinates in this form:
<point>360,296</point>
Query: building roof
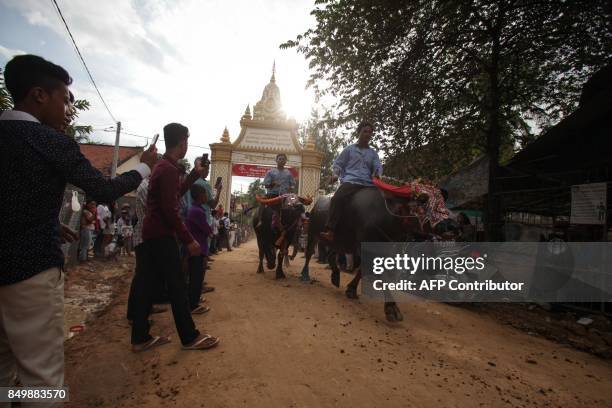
<point>101,156</point>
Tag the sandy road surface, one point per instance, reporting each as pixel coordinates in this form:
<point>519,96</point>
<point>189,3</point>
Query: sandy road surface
<point>290,344</point>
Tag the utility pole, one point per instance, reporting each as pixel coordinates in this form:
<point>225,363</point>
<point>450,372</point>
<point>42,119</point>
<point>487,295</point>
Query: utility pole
<point>116,152</point>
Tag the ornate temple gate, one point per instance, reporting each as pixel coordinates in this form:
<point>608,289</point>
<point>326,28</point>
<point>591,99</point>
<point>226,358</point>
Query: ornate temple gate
<point>262,136</point>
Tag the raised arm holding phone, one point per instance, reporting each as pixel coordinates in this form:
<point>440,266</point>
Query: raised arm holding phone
<point>37,160</point>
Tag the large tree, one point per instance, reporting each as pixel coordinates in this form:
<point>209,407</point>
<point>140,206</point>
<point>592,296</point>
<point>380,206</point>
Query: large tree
<point>6,102</point>
<point>329,139</point>
<point>80,133</point>
<point>475,76</point>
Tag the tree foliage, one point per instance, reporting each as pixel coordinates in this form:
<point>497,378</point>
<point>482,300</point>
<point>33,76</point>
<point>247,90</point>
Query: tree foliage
<point>478,76</point>
<point>6,101</point>
<point>255,188</point>
<point>329,139</point>
<point>468,76</point>
<point>80,133</point>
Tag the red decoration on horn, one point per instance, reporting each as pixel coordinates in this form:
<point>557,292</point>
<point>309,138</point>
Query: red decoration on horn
<point>268,201</point>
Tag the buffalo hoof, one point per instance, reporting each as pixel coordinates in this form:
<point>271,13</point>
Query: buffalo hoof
<point>335,279</point>
<point>271,265</point>
<point>280,275</point>
<point>305,277</point>
<point>260,269</point>
<point>392,313</point>
<point>351,292</point>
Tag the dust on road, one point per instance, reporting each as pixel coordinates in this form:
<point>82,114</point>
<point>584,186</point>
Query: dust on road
<point>290,344</point>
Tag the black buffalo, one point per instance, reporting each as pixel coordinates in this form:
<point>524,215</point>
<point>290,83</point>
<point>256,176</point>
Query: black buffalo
<point>368,217</point>
<point>268,238</point>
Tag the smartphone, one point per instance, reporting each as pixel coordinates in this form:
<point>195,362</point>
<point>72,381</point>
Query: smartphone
<point>155,138</point>
<point>218,182</point>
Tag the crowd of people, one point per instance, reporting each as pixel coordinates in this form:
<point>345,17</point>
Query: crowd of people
<point>105,232</point>
<point>173,230</point>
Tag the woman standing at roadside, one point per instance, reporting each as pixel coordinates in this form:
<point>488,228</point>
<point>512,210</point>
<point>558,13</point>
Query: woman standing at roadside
<point>88,217</point>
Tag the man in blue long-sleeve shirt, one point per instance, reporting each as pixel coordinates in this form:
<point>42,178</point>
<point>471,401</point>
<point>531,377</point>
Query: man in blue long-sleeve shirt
<point>355,167</point>
<point>279,180</point>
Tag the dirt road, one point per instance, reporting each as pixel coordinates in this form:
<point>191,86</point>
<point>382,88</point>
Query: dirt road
<point>290,344</point>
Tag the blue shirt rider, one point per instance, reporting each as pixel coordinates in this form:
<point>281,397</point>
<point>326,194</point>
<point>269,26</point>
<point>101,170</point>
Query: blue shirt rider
<point>279,181</point>
<point>355,166</point>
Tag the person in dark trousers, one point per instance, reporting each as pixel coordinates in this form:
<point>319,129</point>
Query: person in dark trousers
<point>355,166</point>
<point>36,163</point>
<point>198,226</point>
<point>224,227</point>
<point>161,260</point>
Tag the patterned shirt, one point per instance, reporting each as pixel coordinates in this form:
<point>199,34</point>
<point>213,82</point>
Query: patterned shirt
<point>141,209</point>
<point>283,179</point>
<point>36,162</point>
<point>357,165</point>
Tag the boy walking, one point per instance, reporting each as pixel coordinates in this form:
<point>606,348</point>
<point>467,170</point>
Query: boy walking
<point>199,228</point>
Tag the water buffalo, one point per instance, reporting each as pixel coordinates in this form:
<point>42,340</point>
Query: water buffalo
<point>268,238</point>
<point>368,217</point>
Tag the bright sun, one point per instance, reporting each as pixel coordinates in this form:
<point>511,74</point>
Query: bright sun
<point>298,103</point>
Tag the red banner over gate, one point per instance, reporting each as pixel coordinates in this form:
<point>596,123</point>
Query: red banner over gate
<point>255,170</point>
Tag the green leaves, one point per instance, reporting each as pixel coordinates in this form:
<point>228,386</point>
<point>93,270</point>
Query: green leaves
<point>6,102</point>
<point>78,132</point>
<point>441,78</point>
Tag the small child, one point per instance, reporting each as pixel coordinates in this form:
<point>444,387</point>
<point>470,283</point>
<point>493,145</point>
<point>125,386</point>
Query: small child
<point>125,231</point>
<point>200,230</point>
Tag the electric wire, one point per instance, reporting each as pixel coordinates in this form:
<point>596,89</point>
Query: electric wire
<point>59,11</point>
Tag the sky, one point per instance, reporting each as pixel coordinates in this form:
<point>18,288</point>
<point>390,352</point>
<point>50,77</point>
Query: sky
<point>158,61</point>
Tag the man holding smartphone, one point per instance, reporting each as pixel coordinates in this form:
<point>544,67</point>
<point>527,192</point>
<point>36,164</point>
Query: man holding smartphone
<point>37,161</point>
<point>161,260</point>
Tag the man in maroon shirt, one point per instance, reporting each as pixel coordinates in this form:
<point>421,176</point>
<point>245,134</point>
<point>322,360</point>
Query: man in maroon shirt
<point>161,260</point>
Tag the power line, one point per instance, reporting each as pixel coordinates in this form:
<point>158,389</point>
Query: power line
<point>57,8</point>
<point>123,132</point>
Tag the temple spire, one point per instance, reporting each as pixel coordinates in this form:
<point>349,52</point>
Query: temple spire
<point>225,136</point>
<point>269,106</point>
<point>247,112</point>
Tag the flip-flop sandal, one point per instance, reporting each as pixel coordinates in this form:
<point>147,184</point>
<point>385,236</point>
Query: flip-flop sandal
<point>201,310</point>
<point>154,342</point>
<point>206,289</point>
<point>204,343</point>
<point>203,299</point>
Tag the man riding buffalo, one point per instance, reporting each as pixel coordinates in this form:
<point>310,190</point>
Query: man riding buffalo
<point>356,166</point>
<point>279,180</point>
<point>278,216</point>
<point>366,209</point>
